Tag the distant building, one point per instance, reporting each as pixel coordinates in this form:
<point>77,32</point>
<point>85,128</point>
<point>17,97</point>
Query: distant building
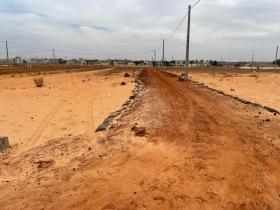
<point>39,60</point>
<point>3,61</point>
<point>131,64</point>
<point>82,61</point>
<point>18,60</point>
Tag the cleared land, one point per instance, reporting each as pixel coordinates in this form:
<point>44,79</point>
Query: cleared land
<point>47,68</point>
<point>68,104</point>
<point>201,151</point>
<point>261,86</point>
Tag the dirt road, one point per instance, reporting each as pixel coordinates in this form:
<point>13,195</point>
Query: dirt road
<point>201,151</point>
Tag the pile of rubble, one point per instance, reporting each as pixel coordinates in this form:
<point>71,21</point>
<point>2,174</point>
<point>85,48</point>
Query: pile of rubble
<point>138,88</point>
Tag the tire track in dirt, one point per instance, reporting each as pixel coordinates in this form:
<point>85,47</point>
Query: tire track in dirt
<point>35,137</point>
<point>221,161</point>
<point>38,131</point>
<point>202,151</point>
<point>75,89</point>
<point>44,125</point>
<point>180,109</point>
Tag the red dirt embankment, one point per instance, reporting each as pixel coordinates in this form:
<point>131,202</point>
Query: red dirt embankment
<point>202,151</point>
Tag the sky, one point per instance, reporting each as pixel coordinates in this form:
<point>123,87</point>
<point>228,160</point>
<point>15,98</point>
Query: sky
<point>231,30</point>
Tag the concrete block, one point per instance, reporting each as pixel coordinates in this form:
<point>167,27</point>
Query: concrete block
<point>4,143</point>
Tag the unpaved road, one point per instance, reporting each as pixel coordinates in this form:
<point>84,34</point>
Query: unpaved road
<point>202,151</point>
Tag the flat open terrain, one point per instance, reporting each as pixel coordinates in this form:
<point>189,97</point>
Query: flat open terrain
<point>68,104</point>
<point>201,151</point>
<point>261,86</point>
<point>47,68</point>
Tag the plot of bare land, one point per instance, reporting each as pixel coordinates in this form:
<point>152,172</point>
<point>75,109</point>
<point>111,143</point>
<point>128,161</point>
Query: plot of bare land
<point>177,146</point>
<point>39,68</point>
<point>68,104</point>
<point>259,87</point>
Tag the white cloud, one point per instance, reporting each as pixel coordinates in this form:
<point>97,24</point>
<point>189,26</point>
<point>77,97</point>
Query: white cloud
<point>220,28</point>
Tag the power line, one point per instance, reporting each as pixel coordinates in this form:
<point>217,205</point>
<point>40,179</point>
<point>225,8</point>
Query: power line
<point>28,52</point>
<point>26,46</point>
<point>177,28</point>
<point>180,23</point>
<point>196,3</point>
<point>101,54</point>
<point>73,51</point>
<point>104,54</point>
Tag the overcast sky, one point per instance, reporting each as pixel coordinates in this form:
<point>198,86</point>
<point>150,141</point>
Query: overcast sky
<point>228,29</point>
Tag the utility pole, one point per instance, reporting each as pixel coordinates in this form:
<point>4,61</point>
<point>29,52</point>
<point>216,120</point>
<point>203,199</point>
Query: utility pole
<point>188,44</point>
<point>277,48</point>
<point>163,49</point>
<point>253,56</point>
<point>30,63</point>
<point>53,51</point>
<point>155,57</point>
<point>7,51</point>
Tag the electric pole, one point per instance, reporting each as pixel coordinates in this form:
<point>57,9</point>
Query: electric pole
<point>30,63</point>
<point>163,48</point>
<point>155,57</point>
<point>7,51</point>
<point>253,56</point>
<point>277,48</point>
<point>188,44</point>
<point>53,51</point>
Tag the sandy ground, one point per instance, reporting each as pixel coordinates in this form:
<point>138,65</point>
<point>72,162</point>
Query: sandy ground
<point>48,68</point>
<point>68,104</point>
<point>259,87</point>
<point>201,151</point>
